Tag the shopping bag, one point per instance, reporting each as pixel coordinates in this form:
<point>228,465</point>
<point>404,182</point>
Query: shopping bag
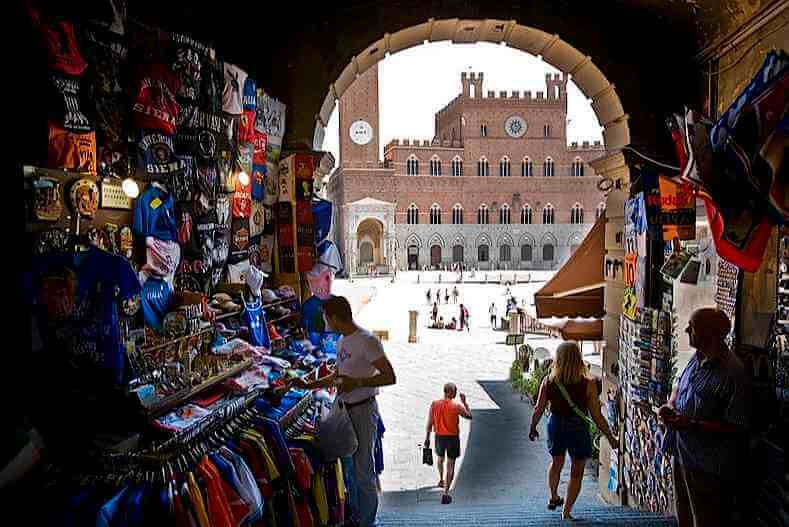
<point>427,456</point>
<point>336,435</point>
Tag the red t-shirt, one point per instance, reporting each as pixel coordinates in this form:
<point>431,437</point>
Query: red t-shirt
<point>446,417</point>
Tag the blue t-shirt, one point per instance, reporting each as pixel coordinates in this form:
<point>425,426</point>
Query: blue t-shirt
<point>321,217</point>
<point>312,314</point>
<point>259,182</point>
<point>78,297</point>
<point>157,296</point>
<point>154,215</point>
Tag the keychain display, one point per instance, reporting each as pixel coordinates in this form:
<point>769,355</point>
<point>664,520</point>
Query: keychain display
<point>726,293</point>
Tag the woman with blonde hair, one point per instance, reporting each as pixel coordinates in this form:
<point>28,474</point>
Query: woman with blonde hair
<point>573,398</point>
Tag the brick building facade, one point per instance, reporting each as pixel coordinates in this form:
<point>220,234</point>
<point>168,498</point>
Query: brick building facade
<point>497,187</point>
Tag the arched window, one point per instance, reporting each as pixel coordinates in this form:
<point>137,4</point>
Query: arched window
<point>457,166</point>
<point>547,214</point>
<point>505,253</point>
<point>600,209</point>
<point>483,253</point>
<point>526,167</point>
<point>482,167</point>
<point>435,214</point>
<point>547,252</point>
<point>577,214</point>
<point>504,214</point>
<point>482,214</point>
<point>504,167</point>
<point>546,130</point>
<point>526,215</point>
<point>483,130</point>
<point>435,166</point>
<point>547,168</point>
<point>577,168</point>
<point>413,214</point>
<point>457,214</point>
<point>526,252</point>
<point>412,166</point>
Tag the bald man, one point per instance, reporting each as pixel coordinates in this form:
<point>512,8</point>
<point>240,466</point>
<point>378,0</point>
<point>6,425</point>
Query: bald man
<point>444,418</point>
<point>707,418</point>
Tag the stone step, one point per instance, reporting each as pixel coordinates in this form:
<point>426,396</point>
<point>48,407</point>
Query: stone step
<point>519,516</point>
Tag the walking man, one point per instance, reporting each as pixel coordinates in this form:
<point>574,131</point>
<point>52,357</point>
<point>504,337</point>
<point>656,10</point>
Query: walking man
<point>492,312</point>
<point>362,367</point>
<point>455,294</point>
<point>435,313</point>
<point>428,296</point>
<point>444,418</point>
<point>707,418</point>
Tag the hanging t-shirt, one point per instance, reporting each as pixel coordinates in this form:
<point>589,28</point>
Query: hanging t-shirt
<point>239,242</point>
<point>155,107</point>
<point>67,90</point>
<point>266,253</point>
<point>235,78</point>
<point>271,120</point>
<point>242,200</point>
<point>312,314</point>
<point>60,42</point>
<point>158,155</point>
<point>78,295</point>
<point>71,151</point>
<point>188,67</point>
<point>258,182</point>
<point>250,101</point>
<point>223,217</point>
<point>212,85</point>
<point>245,155</point>
<point>257,219</point>
<point>259,141</point>
<point>154,214</point>
<point>246,127</point>
<point>255,320</point>
<point>321,217</point>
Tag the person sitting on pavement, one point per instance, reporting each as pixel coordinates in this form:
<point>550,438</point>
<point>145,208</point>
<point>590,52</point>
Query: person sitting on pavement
<point>707,417</point>
<point>572,397</point>
<point>453,324</point>
<point>444,418</point>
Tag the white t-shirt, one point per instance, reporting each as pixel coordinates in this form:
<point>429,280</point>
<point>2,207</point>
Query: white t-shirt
<point>355,356</point>
<point>235,78</point>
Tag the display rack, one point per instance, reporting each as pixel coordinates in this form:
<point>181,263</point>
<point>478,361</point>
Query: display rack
<point>171,402</point>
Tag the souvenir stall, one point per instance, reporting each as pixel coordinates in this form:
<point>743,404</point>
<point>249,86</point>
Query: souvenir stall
<point>706,229</point>
<point>173,243</point>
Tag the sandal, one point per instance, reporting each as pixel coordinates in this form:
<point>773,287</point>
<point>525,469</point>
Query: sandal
<point>440,484</point>
<point>446,499</point>
<point>552,504</point>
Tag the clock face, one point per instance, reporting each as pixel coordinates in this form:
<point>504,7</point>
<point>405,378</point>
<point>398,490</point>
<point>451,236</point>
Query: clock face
<point>515,126</point>
<point>361,132</point>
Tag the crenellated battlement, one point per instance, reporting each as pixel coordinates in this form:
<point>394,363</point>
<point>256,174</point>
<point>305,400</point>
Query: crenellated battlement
<point>422,143</point>
<point>585,146</point>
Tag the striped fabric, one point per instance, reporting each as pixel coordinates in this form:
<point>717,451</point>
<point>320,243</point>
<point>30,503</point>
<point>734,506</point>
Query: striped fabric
<point>715,390</point>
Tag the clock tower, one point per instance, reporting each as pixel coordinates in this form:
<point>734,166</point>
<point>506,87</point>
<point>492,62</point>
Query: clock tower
<point>359,126</point>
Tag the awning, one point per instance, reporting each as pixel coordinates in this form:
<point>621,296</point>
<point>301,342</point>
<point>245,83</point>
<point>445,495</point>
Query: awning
<point>576,290</point>
<point>587,330</point>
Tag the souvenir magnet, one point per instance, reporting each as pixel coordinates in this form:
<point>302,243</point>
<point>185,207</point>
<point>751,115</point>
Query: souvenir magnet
<point>85,197</point>
<point>127,242</point>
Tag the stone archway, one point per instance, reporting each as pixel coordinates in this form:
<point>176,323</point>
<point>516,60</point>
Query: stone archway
<point>370,246</point>
<point>551,48</point>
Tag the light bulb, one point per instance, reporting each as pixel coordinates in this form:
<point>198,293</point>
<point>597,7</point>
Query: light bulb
<point>130,188</point>
<point>243,178</point>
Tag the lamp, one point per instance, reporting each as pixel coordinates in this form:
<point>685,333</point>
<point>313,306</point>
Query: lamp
<point>130,188</point>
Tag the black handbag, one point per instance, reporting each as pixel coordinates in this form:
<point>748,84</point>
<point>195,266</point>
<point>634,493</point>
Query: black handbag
<point>427,455</point>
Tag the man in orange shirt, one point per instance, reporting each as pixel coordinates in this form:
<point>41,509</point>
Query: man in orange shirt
<point>444,417</point>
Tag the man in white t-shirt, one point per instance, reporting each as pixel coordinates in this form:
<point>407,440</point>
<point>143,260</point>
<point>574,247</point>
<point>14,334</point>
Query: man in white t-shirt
<point>362,367</point>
